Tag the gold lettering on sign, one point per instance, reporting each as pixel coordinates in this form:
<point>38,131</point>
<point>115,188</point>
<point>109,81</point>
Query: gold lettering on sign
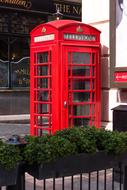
<point>77,10</point>
<point>23,76</point>
<point>22,72</point>
<point>24,3</point>
<point>68,9</point>
<point>63,8</point>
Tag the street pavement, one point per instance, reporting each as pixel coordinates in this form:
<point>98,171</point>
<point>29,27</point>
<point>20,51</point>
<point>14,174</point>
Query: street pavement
<point>9,129</point>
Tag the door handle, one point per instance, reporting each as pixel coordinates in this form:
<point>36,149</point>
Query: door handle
<point>65,104</point>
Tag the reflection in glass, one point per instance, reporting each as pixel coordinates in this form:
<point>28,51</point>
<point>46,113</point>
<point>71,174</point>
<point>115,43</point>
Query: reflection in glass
<point>69,57</point>
<point>14,58</point>
<point>43,108</point>
<point>44,122</point>
<point>42,70</point>
<point>80,84</point>
<point>93,57</point>
<point>80,58</point>
<point>81,71</point>
<point>69,122</point>
<point>43,96</point>
<point>69,110</point>
<point>81,122</point>
<point>81,110</point>
<point>3,73</point>
<point>42,83</point>
<point>93,71</point>
<point>20,72</point>
<point>93,84</point>
<point>41,120</point>
<point>42,57</point>
<point>93,97</point>
<point>93,109</point>
<point>41,132</point>
<point>19,62</point>
<point>81,96</point>
<point>35,58</point>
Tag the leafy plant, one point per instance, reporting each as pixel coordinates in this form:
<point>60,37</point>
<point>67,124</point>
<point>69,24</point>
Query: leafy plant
<point>9,155</point>
<point>78,136</point>
<point>115,142</point>
<point>61,147</point>
<point>73,141</point>
<point>37,149</point>
<point>47,148</point>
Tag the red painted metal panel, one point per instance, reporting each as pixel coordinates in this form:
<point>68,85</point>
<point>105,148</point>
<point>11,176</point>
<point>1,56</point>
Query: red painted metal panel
<point>83,82</point>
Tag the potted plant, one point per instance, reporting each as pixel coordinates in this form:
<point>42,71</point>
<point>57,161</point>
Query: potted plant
<point>74,150</point>
<point>41,153</point>
<point>10,158</point>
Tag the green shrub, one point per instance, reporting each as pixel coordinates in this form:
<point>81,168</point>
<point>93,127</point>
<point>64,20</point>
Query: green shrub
<point>115,143</point>
<point>47,148</point>
<point>73,141</point>
<point>77,136</point>
<point>9,155</point>
<point>61,147</point>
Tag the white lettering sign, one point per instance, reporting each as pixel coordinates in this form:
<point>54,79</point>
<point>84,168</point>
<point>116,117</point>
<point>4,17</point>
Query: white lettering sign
<point>84,37</point>
<point>44,38</point>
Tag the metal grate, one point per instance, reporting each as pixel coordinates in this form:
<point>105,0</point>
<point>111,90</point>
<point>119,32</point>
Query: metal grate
<point>98,180</point>
<point>105,179</point>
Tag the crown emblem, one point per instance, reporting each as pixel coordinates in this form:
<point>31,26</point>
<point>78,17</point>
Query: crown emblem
<point>43,30</point>
<point>79,29</point>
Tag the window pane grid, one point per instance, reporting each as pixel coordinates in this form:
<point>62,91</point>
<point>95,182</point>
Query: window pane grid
<point>81,79</point>
<point>42,92</point>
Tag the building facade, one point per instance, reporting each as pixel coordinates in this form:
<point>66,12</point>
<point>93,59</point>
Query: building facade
<point>108,16</point>
<point>100,20</point>
<point>17,19</point>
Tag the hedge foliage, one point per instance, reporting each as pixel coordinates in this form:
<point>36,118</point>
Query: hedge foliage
<point>10,155</point>
<point>69,141</point>
<point>73,141</point>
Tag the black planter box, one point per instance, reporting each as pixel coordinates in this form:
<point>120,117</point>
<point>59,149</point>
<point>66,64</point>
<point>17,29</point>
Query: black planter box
<point>75,164</point>
<point>9,176</point>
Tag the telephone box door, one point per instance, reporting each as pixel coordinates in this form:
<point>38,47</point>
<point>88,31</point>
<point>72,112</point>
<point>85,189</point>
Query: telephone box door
<point>80,87</point>
<point>41,91</point>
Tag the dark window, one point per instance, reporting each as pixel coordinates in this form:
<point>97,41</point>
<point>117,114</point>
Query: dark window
<point>14,62</point>
<point>18,23</point>
<point>14,51</point>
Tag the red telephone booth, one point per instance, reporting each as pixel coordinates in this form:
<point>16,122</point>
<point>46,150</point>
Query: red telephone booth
<point>65,76</point>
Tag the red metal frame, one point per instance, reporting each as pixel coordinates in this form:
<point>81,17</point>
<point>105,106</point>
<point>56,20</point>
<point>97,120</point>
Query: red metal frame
<point>71,79</point>
<point>65,76</point>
